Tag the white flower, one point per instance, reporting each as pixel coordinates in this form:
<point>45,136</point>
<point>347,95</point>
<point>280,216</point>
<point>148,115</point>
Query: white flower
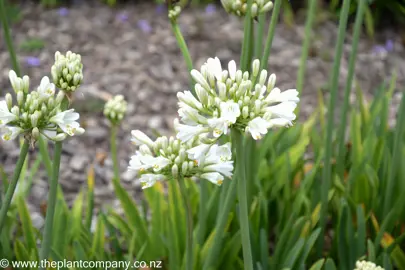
<point>215,68</point>
<point>364,265</point>
<point>53,135</point>
<point>232,69</point>
<point>224,168</point>
<point>149,179</point>
<point>279,122</point>
<point>198,152</point>
<point>283,110</point>
<point>277,96</point>
<point>190,116</point>
<point>199,78</point>
<point>219,125</point>
<point>10,133</point>
<point>5,115</point>
<point>66,120</point>
<point>188,98</point>
<point>258,127</point>
<point>46,89</point>
<point>230,111</point>
<point>213,177</point>
<point>135,164</point>
<point>160,163</point>
<point>217,154</point>
<point>186,133</point>
<point>138,137</point>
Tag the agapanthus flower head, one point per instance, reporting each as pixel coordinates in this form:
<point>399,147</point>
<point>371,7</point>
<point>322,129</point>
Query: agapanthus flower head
<point>174,13</point>
<point>365,265</point>
<point>169,158</point>
<point>240,7</point>
<point>233,98</point>
<point>36,112</point>
<point>67,71</point>
<point>115,109</point>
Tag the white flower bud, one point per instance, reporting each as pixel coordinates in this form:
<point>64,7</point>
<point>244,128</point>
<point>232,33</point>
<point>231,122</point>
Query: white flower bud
<point>201,93</point>
<point>246,75</point>
<point>9,101</point>
<point>198,77</point>
<point>222,90</point>
<point>177,160</point>
<point>263,77</point>
<point>267,7</point>
<point>258,106</point>
<point>272,82</point>
<point>175,170</point>
<point>60,97</point>
<point>184,167</point>
<point>34,120</point>
<point>238,76</point>
<point>35,133</point>
<point>115,109</point>
<point>182,154</point>
<point>26,83</point>
<point>254,10</point>
<point>191,164</point>
<point>15,110</point>
<point>144,149</point>
<point>176,145</point>
<point>245,112</point>
<point>60,137</point>
<point>20,98</point>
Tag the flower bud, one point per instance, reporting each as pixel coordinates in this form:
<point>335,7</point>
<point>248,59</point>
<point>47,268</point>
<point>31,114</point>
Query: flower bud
<point>201,93</point>
<point>245,75</point>
<point>59,97</point>
<point>15,110</point>
<point>115,109</point>
<point>67,71</point>
<point>177,160</point>
<point>175,170</point>
<point>272,82</point>
<point>184,167</point>
<point>258,106</point>
<point>34,120</point>
<point>59,137</point>
<point>191,164</point>
<point>238,76</point>
<point>182,155</point>
<point>35,133</point>
<point>20,98</point>
<point>26,84</point>
<point>245,112</point>
<point>9,101</point>
<point>267,7</point>
<point>263,77</point>
<point>222,90</point>
<point>254,10</point>
<point>144,149</point>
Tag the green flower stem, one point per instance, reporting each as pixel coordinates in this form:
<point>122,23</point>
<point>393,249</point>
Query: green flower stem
<point>50,211</point>
<point>52,195</point>
<point>352,63</point>
<point>43,149</point>
<point>184,49</point>
<point>189,239</point>
<point>222,219</point>
<point>13,184</point>
<point>327,170</point>
<point>202,216</point>
<point>247,36</point>
<point>259,36</point>
<point>243,203</point>
<point>7,37</point>
<point>113,146</point>
<point>305,48</point>
<point>270,35</point>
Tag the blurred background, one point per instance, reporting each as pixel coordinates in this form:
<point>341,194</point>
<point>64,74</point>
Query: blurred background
<point>128,48</point>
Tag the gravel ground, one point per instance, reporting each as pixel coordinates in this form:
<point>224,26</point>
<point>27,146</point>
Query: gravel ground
<point>131,50</point>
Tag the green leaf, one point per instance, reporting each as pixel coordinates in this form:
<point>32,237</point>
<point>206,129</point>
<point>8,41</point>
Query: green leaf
<point>318,265</point>
<point>27,227</point>
<point>97,248</point>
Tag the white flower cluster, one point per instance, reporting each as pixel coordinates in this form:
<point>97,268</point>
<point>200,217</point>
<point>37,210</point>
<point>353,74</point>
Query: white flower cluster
<point>36,112</point>
<point>364,265</point>
<point>115,109</point>
<point>168,158</point>
<point>233,99</point>
<point>67,72</point>
<point>239,7</point>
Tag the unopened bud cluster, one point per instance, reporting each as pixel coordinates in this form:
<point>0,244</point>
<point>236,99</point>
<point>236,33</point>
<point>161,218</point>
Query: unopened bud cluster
<point>233,98</point>
<point>67,72</point>
<point>174,13</point>
<point>115,109</point>
<point>364,265</point>
<point>169,158</point>
<point>240,7</point>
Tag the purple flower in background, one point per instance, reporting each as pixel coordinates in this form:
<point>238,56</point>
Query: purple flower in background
<point>63,12</point>
<point>210,9</point>
<point>161,8</point>
<point>122,16</point>
<point>32,61</point>
<point>389,45</point>
<point>383,49</point>
<point>145,26</point>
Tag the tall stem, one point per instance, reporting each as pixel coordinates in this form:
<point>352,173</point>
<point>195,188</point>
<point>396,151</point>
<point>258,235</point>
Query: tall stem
<point>50,211</point>
<point>11,187</point>
<point>247,36</point>
<point>7,37</point>
<point>270,34</point>
<point>189,241</point>
<point>52,195</point>
<point>184,49</point>
<point>243,203</point>
<point>113,146</point>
